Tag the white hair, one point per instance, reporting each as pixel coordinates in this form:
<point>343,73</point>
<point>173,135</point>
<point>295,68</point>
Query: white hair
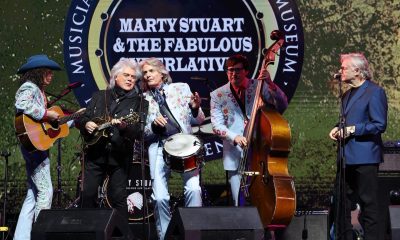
<point>118,68</point>
<point>358,60</point>
<point>159,66</point>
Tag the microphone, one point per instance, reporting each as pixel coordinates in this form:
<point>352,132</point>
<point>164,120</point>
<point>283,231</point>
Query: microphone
<point>199,78</point>
<point>337,76</point>
<point>5,153</point>
<point>75,85</point>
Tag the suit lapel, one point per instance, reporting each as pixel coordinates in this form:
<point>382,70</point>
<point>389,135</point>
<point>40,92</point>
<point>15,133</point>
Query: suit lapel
<point>356,96</point>
<point>250,96</point>
<point>231,99</point>
<point>170,105</point>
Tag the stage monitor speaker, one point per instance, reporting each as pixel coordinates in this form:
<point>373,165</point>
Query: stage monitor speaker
<point>148,231</point>
<point>315,226</point>
<point>387,183</point>
<point>394,212</point>
<point>223,223</point>
<point>80,224</point>
<point>391,157</point>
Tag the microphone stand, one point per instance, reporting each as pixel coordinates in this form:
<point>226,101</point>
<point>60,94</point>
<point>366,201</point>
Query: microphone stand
<point>59,191</point>
<point>3,227</point>
<point>58,97</point>
<point>146,234</point>
<point>209,86</point>
<point>340,201</point>
<point>304,233</point>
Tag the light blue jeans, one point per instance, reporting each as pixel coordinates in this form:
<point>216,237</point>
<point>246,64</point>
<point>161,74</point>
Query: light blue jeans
<point>234,180</point>
<point>192,192</point>
<point>39,195</point>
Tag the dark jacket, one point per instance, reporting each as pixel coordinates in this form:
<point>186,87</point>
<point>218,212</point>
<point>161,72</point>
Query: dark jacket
<point>117,149</point>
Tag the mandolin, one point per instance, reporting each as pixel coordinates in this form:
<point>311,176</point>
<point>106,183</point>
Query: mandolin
<point>41,135</point>
<point>103,125</point>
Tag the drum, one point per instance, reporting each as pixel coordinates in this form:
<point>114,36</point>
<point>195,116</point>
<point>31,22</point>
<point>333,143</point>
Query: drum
<point>205,129</point>
<point>183,152</point>
<point>136,208</point>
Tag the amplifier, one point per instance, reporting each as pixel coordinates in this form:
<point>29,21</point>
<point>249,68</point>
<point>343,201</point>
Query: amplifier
<point>391,157</point>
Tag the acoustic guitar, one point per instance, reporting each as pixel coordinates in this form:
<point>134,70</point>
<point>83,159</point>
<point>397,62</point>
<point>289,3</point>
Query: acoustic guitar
<point>41,135</point>
<point>103,125</point>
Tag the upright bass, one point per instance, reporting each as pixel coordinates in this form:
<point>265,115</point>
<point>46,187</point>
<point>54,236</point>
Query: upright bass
<point>263,166</point>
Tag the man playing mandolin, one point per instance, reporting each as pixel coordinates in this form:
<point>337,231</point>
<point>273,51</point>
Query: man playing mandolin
<point>230,111</point>
<point>112,150</point>
<point>30,99</point>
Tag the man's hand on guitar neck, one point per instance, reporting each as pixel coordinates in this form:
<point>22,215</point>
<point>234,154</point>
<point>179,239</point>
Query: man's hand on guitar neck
<point>120,124</point>
<point>92,126</point>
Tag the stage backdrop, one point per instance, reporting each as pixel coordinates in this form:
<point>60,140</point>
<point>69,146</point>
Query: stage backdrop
<point>88,37</point>
<point>193,40</point>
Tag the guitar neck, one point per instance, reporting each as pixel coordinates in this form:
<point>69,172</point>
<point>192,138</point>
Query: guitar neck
<point>69,117</point>
<point>128,117</point>
<point>104,126</point>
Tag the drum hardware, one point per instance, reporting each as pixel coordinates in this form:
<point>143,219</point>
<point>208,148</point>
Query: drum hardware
<point>135,199</point>
<point>76,203</point>
<point>175,202</point>
<point>101,193</point>
<point>204,129</point>
<point>59,191</point>
<point>204,194</point>
<point>250,173</point>
<point>3,227</point>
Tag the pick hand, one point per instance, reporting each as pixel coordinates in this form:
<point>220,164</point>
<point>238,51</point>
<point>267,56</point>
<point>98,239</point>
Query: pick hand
<point>91,126</point>
<point>52,115</point>
<point>160,121</point>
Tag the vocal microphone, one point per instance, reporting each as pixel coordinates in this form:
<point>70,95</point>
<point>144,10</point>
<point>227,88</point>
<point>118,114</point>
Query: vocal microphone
<point>337,76</point>
<point>199,78</point>
<point>75,85</point>
<point>5,153</point>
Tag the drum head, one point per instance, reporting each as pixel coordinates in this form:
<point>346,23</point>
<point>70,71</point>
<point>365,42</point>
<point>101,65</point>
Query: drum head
<point>182,145</point>
<point>135,199</point>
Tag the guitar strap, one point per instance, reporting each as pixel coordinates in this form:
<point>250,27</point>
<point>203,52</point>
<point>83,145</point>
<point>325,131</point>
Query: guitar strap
<point>241,104</point>
<point>173,125</point>
<point>107,101</point>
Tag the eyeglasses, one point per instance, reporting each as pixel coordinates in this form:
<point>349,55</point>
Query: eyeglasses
<point>126,75</point>
<point>236,70</point>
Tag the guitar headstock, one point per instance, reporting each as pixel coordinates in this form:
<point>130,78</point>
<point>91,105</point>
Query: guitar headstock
<point>81,111</point>
<point>131,118</point>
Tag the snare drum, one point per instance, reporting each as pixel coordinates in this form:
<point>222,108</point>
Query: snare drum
<point>134,190</point>
<point>183,152</point>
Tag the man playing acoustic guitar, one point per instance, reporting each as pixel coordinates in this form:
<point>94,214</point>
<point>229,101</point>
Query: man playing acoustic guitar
<point>30,100</point>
